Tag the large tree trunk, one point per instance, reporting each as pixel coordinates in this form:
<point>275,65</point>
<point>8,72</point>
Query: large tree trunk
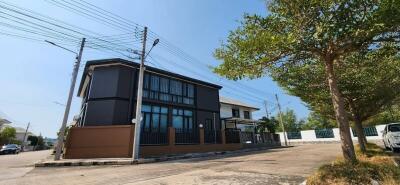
<point>340,114</point>
<point>362,140</point>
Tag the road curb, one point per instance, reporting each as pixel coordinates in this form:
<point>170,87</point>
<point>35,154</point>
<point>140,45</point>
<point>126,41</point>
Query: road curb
<point>126,161</point>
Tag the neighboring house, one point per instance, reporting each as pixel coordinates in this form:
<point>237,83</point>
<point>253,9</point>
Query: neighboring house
<point>4,120</point>
<point>237,115</point>
<point>20,133</point>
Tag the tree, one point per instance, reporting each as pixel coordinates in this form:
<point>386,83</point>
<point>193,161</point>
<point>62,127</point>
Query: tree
<point>290,121</point>
<point>33,140</point>
<point>269,124</point>
<point>369,82</point>
<point>7,134</point>
<point>295,31</point>
<point>316,121</point>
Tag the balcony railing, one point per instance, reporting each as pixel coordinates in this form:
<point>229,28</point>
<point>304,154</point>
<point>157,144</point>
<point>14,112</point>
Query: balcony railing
<point>186,136</point>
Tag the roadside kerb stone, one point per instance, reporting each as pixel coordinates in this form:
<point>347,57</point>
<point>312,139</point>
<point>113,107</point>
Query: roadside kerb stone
<point>94,162</point>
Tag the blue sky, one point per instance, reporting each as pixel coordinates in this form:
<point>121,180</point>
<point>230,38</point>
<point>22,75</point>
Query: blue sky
<point>34,75</point>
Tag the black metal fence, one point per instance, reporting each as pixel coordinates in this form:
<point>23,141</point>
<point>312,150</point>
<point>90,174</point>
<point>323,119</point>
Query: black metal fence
<point>212,136</point>
<point>153,138</point>
<point>247,137</point>
<point>232,136</point>
<point>324,133</point>
<point>368,131</point>
<point>187,136</point>
<point>294,135</point>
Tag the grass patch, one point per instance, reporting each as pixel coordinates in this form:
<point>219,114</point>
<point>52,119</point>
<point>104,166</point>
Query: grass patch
<point>376,164</point>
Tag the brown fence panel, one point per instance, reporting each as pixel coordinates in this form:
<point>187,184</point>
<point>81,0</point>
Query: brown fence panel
<point>99,142</point>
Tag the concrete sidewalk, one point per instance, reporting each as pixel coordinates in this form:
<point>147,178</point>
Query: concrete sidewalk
<point>129,161</point>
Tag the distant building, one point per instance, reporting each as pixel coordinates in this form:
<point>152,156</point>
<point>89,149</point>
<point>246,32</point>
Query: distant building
<point>237,115</point>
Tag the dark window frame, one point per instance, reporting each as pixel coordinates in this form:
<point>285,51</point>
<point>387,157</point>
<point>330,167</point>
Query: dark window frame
<point>235,113</point>
<point>186,96</point>
<point>246,114</point>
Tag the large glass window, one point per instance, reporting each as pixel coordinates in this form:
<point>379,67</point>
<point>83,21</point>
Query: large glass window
<point>155,118</point>
<point>182,119</point>
<point>164,89</point>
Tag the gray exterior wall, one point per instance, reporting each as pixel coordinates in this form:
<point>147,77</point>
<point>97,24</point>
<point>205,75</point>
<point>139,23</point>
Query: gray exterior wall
<point>111,98</point>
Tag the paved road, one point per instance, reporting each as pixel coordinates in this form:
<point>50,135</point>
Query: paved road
<point>14,166</point>
<point>275,166</point>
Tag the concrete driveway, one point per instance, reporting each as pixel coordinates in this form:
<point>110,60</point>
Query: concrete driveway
<point>274,166</point>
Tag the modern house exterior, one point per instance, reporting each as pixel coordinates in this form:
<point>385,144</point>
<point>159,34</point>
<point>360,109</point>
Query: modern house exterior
<point>179,114</point>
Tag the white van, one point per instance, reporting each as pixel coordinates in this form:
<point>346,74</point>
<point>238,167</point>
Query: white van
<point>391,136</point>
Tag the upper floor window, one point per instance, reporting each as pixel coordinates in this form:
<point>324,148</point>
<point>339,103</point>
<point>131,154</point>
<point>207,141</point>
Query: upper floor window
<point>235,113</point>
<point>246,114</point>
<point>160,88</point>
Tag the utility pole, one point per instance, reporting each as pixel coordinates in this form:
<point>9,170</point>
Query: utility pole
<point>26,132</point>
<point>136,141</point>
<point>266,108</point>
<point>60,140</point>
<point>281,120</point>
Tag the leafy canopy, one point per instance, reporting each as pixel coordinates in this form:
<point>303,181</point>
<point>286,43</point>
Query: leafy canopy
<point>369,82</point>
<point>298,30</point>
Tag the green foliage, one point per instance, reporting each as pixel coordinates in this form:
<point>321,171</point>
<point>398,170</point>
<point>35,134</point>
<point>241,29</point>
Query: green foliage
<point>290,121</point>
<point>7,134</point>
<point>316,121</point>
<point>33,140</point>
<point>369,82</point>
<point>299,30</point>
<point>267,124</point>
<point>390,115</point>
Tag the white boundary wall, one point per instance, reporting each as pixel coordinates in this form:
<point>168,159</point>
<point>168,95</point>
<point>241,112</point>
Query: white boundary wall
<point>309,136</point>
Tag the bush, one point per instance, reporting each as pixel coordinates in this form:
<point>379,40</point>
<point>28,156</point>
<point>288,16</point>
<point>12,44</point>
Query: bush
<point>376,164</point>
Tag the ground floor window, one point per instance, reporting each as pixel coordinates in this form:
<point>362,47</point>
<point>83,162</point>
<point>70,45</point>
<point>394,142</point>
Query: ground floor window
<point>155,118</point>
<point>182,119</point>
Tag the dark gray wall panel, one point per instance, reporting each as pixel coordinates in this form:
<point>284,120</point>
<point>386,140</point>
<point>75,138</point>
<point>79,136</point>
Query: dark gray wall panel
<point>203,115</point>
<point>104,82</point>
<point>207,98</point>
<point>107,112</point>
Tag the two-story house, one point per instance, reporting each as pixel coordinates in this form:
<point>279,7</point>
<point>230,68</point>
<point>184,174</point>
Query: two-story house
<point>237,115</point>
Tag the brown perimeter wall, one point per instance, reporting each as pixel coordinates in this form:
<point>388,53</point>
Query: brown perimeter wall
<point>117,141</point>
<point>99,142</point>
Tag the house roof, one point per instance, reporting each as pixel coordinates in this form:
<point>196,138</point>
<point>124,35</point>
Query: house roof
<point>137,65</point>
<point>229,101</point>
<point>4,119</point>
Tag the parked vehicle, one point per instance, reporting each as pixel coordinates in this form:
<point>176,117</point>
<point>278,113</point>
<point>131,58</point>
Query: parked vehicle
<point>391,137</point>
<point>10,149</point>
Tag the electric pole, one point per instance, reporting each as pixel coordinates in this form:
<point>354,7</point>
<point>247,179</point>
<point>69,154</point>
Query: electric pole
<point>266,108</point>
<point>60,140</point>
<point>281,120</point>
<point>26,132</point>
<point>138,118</point>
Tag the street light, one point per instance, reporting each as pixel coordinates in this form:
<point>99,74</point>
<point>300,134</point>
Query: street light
<point>138,117</point>
<point>154,44</point>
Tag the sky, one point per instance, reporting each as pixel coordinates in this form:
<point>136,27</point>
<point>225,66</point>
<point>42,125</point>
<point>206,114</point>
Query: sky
<point>35,75</point>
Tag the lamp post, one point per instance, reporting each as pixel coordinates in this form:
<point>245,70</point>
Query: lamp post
<point>138,117</point>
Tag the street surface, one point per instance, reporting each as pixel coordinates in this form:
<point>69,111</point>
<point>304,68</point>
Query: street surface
<point>274,166</point>
<point>14,166</point>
